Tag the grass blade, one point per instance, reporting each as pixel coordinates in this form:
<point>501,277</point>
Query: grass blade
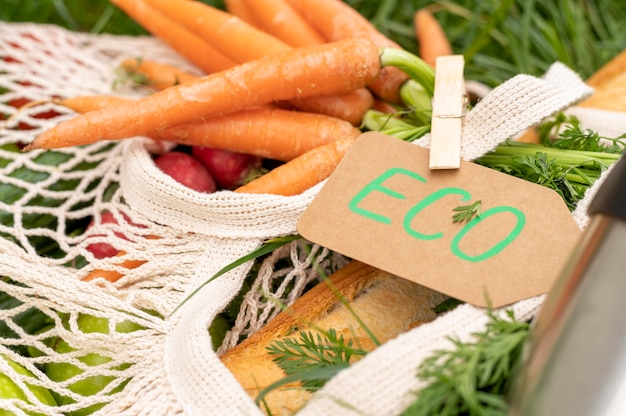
<point>266,248</point>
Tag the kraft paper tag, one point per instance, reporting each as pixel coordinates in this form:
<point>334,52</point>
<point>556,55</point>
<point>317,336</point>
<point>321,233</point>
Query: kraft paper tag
<point>383,206</point>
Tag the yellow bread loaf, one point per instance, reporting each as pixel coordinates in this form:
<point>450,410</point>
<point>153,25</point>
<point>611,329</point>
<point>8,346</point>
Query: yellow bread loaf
<point>387,304</point>
<point>609,84</point>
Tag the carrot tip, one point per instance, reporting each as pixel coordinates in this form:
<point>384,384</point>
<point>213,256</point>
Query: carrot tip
<point>31,146</point>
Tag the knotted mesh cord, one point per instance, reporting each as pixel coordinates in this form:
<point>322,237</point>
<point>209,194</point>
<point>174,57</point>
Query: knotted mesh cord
<point>65,190</point>
<point>44,62</point>
<point>275,287</point>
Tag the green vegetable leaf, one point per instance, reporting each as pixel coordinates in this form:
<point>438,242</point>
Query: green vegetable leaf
<point>566,132</point>
<point>265,248</point>
<point>465,213</point>
<point>311,359</point>
<point>472,378</point>
<point>569,172</point>
<point>309,351</point>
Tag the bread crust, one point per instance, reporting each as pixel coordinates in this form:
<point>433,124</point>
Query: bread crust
<point>387,304</point>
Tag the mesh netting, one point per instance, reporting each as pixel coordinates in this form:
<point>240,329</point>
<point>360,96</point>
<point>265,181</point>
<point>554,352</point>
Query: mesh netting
<point>97,342</point>
<point>88,341</point>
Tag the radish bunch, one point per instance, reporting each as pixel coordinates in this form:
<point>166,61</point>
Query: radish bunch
<point>208,170</point>
<point>199,168</point>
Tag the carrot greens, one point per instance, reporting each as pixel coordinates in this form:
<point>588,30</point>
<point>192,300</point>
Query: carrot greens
<point>411,64</point>
<point>472,377</point>
<point>308,351</point>
<point>394,124</point>
<point>570,175</point>
<point>568,160</point>
<point>573,136</point>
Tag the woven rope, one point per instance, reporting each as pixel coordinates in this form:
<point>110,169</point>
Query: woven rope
<point>170,365</point>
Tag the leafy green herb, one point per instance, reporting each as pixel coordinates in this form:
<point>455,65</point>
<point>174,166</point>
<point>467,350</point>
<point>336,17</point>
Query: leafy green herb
<point>569,172</point>
<point>310,360</point>
<point>265,248</point>
<point>465,213</point>
<point>472,378</point>
<point>310,351</point>
<point>565,132</point>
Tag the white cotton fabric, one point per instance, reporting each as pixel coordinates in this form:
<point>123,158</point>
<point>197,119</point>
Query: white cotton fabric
<point>174,370</point>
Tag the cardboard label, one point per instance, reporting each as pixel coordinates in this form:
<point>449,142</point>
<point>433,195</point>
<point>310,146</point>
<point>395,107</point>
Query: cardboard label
<point>383,206</point>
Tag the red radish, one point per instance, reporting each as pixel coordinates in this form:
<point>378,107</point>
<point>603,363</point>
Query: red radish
<point>21,103</point>
<point>229,169</point>
<point>186,170</point>
<point>103,250</point>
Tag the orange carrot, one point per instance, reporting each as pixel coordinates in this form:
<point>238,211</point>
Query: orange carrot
<point>240,9</point>
<point>187,44</point>
<point>337,20</point>
<point>281,20</point>
<point>350,106</point>
<point>264,131</point>
<point>86,103</point>
<point>327,69</point>
<point>271,133</point>
<point>301,173</point>
<point>430,36</point>
<point>227,33</point>
<point>233,37</point>
<point>384,107</point>
<point>112,275</point>
<point>154,74</point>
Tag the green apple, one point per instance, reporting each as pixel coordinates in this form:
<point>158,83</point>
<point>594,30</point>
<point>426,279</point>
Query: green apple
<point>33,351</point>
<point>61,371</point>
<point>10,390</point>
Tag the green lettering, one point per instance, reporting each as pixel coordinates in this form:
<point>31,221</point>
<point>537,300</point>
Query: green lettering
<point>429,200</point>
<point>498,247</point>
<point>377,185</point>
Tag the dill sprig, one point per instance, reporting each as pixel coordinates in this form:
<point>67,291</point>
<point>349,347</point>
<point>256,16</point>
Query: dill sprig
<point>472,378</point>
<point>565,132</point>
<point>311,351</point>
<point>310,360</point>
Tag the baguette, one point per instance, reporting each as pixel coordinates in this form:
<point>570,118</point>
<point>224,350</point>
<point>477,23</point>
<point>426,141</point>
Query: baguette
<point>387,304</point>
<point>609,83</point>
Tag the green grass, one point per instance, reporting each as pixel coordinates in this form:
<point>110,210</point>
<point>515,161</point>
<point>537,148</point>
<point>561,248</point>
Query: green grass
<point>502,38</point>
<point>499,38</point>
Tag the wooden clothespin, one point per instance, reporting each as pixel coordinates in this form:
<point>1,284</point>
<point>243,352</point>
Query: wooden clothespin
<point>449,104</point>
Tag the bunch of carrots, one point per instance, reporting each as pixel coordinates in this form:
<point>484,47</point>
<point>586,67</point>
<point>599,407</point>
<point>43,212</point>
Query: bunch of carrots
<point>292,81</point>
